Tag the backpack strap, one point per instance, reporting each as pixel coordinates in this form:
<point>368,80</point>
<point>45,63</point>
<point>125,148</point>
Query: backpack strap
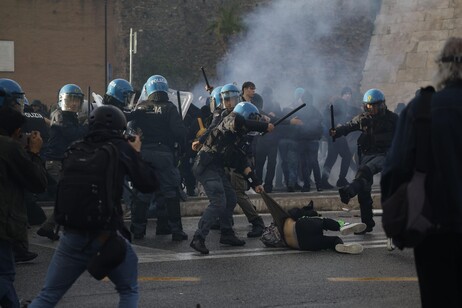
<point>423,128</point>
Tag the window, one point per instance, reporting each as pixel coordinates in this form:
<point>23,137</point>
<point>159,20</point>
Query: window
<point>6,56</point>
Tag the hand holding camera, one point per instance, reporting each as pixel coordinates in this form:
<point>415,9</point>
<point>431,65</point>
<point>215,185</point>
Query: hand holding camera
<point>34,142</point>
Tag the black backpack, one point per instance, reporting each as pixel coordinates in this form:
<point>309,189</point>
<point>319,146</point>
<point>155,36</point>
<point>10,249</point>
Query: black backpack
<point>86,189</point>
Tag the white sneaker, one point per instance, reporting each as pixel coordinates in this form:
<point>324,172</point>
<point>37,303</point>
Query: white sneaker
<point>390,245</point>
<point>353,228</point>
<point>352,248</point>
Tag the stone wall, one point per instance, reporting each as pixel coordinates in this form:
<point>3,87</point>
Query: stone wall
<point>408,34</point>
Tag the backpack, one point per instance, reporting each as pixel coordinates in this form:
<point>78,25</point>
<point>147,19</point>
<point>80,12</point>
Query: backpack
<point>405,214</point>
<point>86,189</point>
<point>271,237</point>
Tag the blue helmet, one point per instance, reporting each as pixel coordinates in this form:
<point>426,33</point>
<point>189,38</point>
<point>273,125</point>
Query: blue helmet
<point>156,83</point>
<point>248,110</point>
<point>70,98</point>
<point>215,98</point>
<point>230,95</point>
<point>229,90</point>
<point>374,97</point>
<point>121,92</point>
<point>298,93</point>
<point>11,94</point>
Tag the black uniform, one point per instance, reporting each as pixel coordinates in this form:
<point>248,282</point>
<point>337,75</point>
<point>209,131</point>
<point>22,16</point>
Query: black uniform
<point>373,144</point>
<point>161,129</point>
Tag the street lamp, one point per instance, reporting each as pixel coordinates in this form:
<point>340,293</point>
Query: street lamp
<point>132,50</point>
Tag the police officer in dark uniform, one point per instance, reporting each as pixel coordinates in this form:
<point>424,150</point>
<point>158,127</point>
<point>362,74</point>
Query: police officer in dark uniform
<point>160,125</point>
<point>209,169</point>
<point>377,124</point>
<point>65,129</point>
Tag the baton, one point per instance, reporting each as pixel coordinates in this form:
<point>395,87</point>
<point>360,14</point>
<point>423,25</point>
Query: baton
<point>88,102</point>
<point>332,125</point>
<point>179,104</point>
<point>288,115</point>
<point>205,77</point>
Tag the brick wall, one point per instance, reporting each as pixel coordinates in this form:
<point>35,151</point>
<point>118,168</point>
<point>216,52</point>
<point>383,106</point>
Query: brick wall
<point>58,42</point>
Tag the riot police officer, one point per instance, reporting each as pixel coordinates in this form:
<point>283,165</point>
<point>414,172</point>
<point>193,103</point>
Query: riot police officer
<point>377,124</point>
<point>65,129</point>
<point>216,153</point>
<point>160,126</point>
<point>120,94</point>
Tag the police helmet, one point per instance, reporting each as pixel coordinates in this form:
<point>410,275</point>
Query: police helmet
<point>248,110</point>
<point>156,83</point>
<point>11,94</point>
<point>121,92</point>
<point>215,98</point>
<point>230,95</point>
<point>298,93</point>
<point>374,101</point>
<point>107,117</point>
<point>70,98</point>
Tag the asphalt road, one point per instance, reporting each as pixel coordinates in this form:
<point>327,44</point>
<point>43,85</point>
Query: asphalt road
<point>173,275</point>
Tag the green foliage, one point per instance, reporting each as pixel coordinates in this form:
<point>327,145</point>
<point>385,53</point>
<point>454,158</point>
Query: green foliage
<point>227,24</point>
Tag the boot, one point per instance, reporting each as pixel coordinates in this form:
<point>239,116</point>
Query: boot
<point>349,191</point>
<point>198,244</point>
<point>257,227</point>
<point>342,182</point>
<point>325,183</point>
<point>139,219</point>
<point>229,238</point>
<point>174,219</point>
<point>162,227</point>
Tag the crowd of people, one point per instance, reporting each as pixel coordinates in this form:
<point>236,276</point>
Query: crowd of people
<point>223,148</point>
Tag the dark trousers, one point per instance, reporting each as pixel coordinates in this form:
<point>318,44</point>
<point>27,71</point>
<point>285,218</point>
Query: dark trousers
<point>266,151</point>
<point>310,233</point>
<point>8,296</point>
<point>288,149</point>
<point>438,261</point>
<point>335,149</point>
<point>310,164</point>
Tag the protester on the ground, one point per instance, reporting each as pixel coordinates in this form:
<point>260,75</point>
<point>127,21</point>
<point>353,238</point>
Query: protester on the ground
<point>303,229</point>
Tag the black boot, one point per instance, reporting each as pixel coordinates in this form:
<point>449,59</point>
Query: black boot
<point>229,238</point>
<point>257,227</point>
<point>342,182</point>
<point>325,183</point>
<point>349,191</point>
<point>198,244</point>
<point>174,219</point>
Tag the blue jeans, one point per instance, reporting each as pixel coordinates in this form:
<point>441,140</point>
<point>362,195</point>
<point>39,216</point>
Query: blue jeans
<point>8,296</point>
<point>69,262</point>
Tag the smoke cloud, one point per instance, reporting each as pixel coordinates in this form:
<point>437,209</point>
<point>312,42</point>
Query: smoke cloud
<point>299,43</point>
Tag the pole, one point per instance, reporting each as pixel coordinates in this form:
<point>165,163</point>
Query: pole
<point>131,56</point>
<point>105,44</point>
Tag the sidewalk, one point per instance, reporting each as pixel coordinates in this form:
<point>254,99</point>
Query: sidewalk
<point>328,200</point>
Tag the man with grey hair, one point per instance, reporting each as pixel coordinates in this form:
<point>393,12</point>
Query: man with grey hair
<point>438,256</point>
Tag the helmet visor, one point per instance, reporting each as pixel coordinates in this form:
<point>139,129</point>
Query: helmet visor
<point>231,102</point>
<point>373,108</point>
<point>19,99</point>
<point>71,102</point>
<point>130,99</point>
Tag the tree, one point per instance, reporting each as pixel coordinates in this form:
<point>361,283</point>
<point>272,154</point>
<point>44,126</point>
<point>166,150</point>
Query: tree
<point>227,25</point>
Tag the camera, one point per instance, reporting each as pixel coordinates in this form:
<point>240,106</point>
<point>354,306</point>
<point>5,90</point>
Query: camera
<point>130,134</point>
<point>24,139</point>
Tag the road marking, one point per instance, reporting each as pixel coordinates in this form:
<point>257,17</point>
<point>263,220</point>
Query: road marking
<point>180,279</point>
<point>353,279</point>
<point>168,279</point>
